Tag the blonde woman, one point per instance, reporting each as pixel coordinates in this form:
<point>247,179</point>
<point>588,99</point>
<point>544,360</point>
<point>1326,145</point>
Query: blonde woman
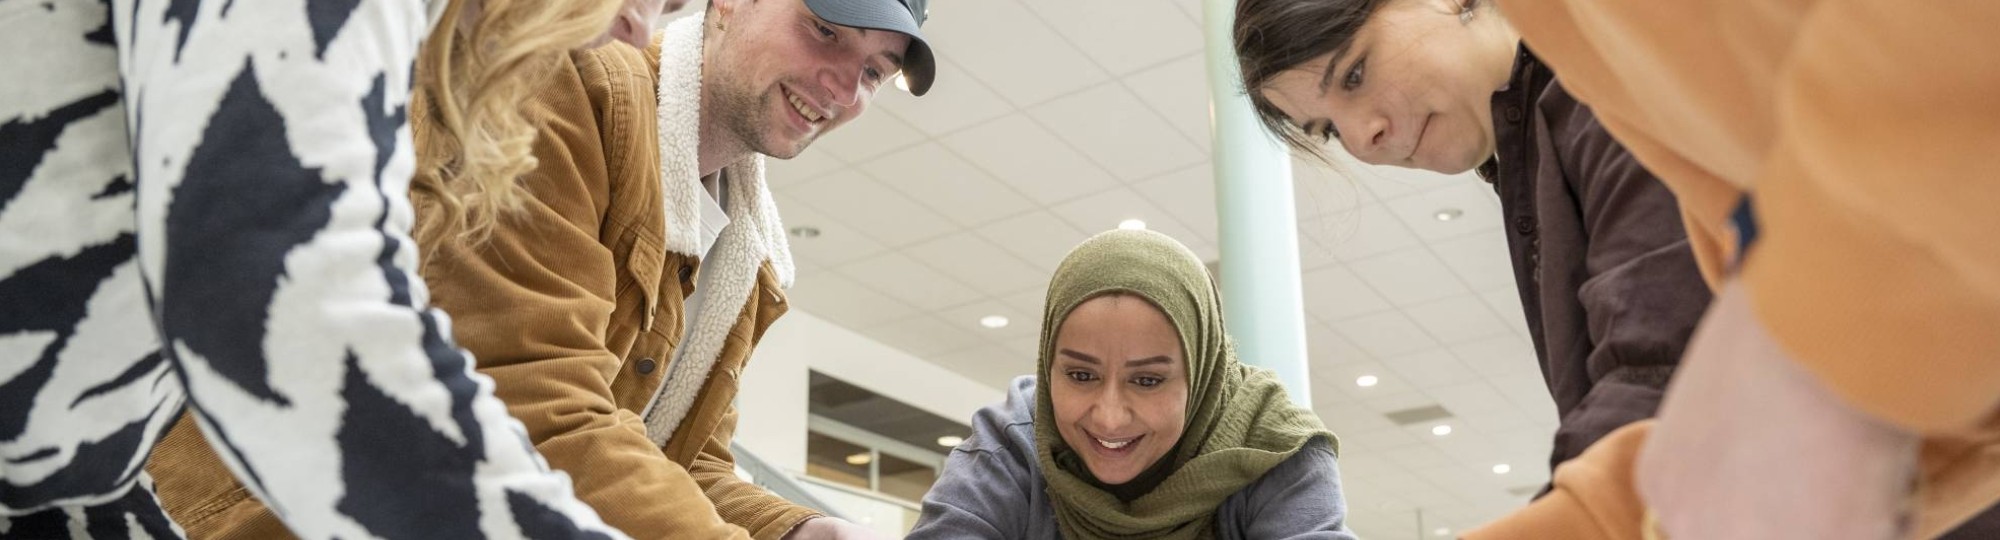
<point>202,203</point>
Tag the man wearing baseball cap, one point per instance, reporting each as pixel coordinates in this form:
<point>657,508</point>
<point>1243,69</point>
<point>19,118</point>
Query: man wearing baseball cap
<point>615,311</point>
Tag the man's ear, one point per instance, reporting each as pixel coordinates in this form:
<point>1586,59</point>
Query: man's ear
<point>724,9</point>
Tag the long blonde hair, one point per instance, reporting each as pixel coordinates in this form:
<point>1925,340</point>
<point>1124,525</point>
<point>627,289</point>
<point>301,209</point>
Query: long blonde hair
<point>474,74</point>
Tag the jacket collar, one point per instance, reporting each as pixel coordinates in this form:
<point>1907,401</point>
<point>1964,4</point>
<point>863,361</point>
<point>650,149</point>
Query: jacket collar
<point>729,269</point>
<point>750,201</point>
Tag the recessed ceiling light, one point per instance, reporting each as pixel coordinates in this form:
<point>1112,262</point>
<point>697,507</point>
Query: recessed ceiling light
<point>1449,214</point>
<point>1365,381</point>
<point>950,440</point>
<point>1442,531</point>
<point>902,82</point>
<point>993,321</point>
<point>1441,430</point>
<point>860,459</point>
<point>1502,468</point>
<point>805,231</point>
<point>1132,225</point>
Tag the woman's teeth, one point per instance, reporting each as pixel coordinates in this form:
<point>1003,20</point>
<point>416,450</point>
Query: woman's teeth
<point>1113,445</point>
<point>800,104</point>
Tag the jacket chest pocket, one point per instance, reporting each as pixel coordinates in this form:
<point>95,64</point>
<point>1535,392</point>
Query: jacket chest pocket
<point>644,265</point>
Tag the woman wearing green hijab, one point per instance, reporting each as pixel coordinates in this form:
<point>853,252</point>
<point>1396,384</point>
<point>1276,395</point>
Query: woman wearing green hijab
<point>1139,422</point>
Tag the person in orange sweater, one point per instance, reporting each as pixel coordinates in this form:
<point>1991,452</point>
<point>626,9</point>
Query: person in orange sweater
<point>1835,163</point>
<point>1832,162</point>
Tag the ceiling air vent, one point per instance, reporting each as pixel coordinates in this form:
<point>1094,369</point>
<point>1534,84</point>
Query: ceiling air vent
<point>1418,415</point>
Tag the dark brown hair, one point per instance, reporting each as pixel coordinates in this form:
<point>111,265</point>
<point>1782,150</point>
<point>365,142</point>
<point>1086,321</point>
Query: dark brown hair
<point>1273,36</point>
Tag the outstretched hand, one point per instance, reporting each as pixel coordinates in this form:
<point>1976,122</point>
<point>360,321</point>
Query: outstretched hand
<point>1750,445</point>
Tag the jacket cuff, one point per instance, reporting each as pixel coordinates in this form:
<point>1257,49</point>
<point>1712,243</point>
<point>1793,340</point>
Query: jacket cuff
<point>1595,497</point>
<point>786,520</point>
<point>1902,328</point>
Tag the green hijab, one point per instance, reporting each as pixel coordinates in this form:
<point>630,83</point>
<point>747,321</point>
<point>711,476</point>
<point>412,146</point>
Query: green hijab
<point>1239,422</point>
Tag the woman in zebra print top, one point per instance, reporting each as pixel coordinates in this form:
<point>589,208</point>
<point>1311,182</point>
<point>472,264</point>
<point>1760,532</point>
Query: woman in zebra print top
<point>204,203</point>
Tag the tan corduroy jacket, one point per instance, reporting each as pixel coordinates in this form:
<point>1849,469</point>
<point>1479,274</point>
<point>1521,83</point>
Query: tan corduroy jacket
<point>1867,134</point>
<point>576,307</point>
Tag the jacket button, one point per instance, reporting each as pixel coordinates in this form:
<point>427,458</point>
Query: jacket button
<point>687,272</point>
<point>1513,113</point>
<point>647,365</point>
<point>1524,225</point>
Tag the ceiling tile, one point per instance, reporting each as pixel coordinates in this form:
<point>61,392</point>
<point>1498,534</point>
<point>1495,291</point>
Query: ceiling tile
<point>1121,35</point>
<point>1364,232</point>
<point>942,182</point>
<point>1408,277</point>
<point>1388,182</point>
<point>1420,456</point>
<point>1384,334</point>
<point>1320,190</point>
<point>970,259</point>
<point>1020,323</point>
<point>891,217</point>
<point>1334,293</point>
<point>836,244</point>
<point>956,101</point>
<point>1110,126</point>
<point>1364,466</point>
<point>1498,418</point>
<point>1178,90</point>
<point>868,136</point>
<point>1029,300</point>
<point>1474,201</point>
<point>1528,390</point>
<point>1469,395</point>
<point>924,336</point>
<point>1040,238</point>
<point>1010,49</point>
<point>1029,158</point>
<point>1388,403</point>
<point>1105,211</point>
<point>1347,422</point>
<point>1480,259</point>
<point>1535,442</point>
<point>1430,369</point>
<point>841,300</point>
<point>987,365</point>
<point>905,279</point>
<point>1331,394</point>
<point>785,173</point>
<point>1457,319</point>
<point>1312,255</point>
<point>1499,355</point>
<point>1387,383</point>
<point>1391,437</point>
<point>1507,303</point>
<point>1191,8</point>
<point>1327,348</point>
<point>1189,196</point>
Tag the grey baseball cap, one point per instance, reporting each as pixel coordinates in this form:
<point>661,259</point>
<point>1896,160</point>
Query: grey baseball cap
<point>900,16</point>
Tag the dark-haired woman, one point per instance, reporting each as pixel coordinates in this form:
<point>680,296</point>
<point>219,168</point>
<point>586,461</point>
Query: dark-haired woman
<point>1601,260</point>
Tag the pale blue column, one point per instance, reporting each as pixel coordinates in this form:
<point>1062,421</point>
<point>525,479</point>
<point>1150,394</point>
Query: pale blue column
<point>1259,225</point>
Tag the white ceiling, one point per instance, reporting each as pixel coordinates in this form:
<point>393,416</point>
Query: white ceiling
<point>1055,119</point>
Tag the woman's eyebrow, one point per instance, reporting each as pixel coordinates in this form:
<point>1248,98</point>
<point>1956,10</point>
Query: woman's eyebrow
<point>1085,358</point>
<point>1148,361</point>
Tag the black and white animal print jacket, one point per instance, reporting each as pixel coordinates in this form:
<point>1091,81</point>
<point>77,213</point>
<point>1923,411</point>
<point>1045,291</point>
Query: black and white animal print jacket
<point>202,203</point>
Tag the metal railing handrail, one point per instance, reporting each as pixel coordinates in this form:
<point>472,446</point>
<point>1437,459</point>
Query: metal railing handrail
<point>780,483</point>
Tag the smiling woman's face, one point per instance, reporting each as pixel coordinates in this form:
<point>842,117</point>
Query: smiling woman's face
<point>1118,384</point>
<point>1415,88</point>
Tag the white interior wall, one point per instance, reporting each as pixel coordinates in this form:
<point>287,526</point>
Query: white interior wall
<point>772,404</point>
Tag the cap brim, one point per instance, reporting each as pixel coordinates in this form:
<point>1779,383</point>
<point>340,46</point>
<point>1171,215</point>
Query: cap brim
<point>919,65</point>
